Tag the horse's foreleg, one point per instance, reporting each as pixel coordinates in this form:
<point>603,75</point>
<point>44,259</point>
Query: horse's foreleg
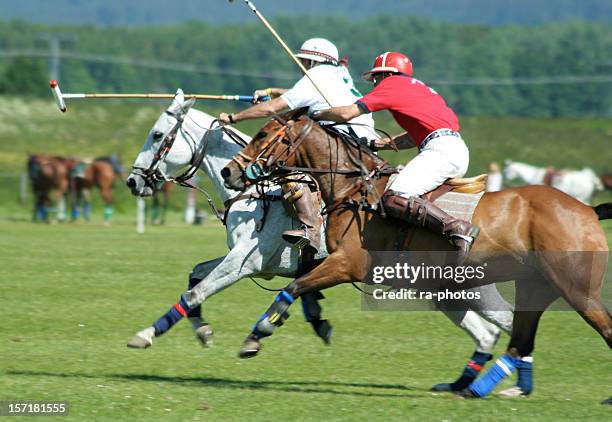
<point>331,272</point>
<point>199,323</point>
<point>223,275</point>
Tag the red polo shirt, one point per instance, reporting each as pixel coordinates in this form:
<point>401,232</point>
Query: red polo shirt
<point>416,107</point>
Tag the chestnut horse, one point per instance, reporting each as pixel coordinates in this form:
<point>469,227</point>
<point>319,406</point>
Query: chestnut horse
<point>536,225</point>
<point>101,173</point>
<point>48,174</point>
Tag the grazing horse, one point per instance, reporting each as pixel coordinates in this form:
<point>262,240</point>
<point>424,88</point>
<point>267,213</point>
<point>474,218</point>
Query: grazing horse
<point>100,173</point>
<point>48,173</point>
<point>549,243</point>
<point>581,184</point>
<point>254,223</point>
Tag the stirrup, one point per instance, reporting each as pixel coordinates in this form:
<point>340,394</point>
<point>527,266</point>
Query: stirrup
<point>301,244</point>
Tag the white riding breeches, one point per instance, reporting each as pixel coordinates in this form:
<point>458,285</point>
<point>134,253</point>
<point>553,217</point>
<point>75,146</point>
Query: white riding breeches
<point>442,158</point>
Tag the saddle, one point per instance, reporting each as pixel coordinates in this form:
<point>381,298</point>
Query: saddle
<point>470,185</point>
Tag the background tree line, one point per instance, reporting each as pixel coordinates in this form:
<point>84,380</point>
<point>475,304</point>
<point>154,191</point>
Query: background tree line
<point>481,70</point>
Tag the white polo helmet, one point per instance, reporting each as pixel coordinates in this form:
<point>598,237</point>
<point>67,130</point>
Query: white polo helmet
<point>318,50</point>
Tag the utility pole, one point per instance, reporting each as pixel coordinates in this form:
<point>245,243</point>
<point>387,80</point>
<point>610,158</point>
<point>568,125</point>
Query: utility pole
<point>55,42</point>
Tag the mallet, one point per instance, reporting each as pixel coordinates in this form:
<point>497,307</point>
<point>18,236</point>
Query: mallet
<point>61,104</point>
<point>282,43</point>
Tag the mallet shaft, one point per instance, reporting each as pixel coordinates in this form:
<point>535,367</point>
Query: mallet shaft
<point>286,48</point>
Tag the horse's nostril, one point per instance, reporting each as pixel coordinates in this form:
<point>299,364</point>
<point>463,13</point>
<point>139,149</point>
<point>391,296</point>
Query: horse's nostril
<point>131,183</point>
<point>225,172</point>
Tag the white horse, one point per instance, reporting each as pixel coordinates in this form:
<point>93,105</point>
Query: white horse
<point>581,184</point>
<point>254,253</point>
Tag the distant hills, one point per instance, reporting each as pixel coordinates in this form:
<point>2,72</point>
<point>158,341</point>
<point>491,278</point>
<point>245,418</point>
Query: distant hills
<point>164,12</point>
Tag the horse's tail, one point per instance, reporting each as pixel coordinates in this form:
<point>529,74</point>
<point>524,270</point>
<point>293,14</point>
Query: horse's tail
<point>604,211</point>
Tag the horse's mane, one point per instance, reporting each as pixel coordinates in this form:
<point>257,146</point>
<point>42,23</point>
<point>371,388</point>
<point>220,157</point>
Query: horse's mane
<point>299,115</point>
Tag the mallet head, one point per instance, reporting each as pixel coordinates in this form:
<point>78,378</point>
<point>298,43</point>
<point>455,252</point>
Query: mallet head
<point>57,94</point>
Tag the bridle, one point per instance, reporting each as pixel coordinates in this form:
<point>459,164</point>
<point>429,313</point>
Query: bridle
<point>259,167</point>
<point>153,176</point>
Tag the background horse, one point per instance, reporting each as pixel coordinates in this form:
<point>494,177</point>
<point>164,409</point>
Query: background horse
<point>48,174</point>
<point>254,225</point>
<point>532,235</point>
<point>581,184</point>
<point>101,173</point>
<point>159,203</point>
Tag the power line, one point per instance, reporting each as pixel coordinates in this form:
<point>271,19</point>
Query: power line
<point>150,64</point>
<point>188,68</point>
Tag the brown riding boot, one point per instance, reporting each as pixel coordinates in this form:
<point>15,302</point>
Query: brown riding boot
<point>422,212</point>
<point>309,233</point>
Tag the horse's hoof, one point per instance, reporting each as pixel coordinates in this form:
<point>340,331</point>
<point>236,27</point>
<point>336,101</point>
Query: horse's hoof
<point>442,388</point>
<point>512,392</point>
<point>205,335</point>
<point>607,401</point>
<point>323,329</point>
<point>249,348</point>
<point>138,342</point>
<point>465,394</point>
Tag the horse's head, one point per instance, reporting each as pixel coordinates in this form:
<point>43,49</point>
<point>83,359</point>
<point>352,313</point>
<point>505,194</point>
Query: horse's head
<point>274,146</point>
<point>165,151</point>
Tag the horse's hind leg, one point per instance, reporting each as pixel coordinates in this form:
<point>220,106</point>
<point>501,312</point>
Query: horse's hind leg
<point>580,276</point>
<point>200,324</point>
<point>532,298</point>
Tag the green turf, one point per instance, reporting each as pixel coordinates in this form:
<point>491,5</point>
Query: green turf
<point>72,295</point>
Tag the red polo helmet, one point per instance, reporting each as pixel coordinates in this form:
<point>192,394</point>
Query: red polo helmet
<point>390,62</point>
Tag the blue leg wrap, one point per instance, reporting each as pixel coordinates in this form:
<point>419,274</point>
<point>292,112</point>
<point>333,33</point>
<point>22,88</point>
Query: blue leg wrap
<point>471,370</point>
<point>500,370</point>
<point>174,315</point>
<point>75,213</point>
<point>274,317</point>
<point>525,375</point>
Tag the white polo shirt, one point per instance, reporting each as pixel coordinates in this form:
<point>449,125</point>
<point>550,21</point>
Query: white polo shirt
<point>338,86</point>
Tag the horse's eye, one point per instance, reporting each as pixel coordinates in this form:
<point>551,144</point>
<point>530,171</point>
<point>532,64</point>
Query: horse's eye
<point>261,135</point>
<point>157,135</point>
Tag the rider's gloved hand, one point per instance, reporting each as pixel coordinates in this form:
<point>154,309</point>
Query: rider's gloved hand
<point>261,93</point>
<point>226,118</point>
<point>377,144</point>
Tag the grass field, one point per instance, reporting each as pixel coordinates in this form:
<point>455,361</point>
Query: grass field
<point>72,295</point>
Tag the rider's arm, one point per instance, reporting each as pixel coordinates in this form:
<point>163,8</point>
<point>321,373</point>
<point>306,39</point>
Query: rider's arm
<point>257,111</point>
<point>402,141</point>
<point>339,114</point>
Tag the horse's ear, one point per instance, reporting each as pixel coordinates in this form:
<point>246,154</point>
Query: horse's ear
<point>180,105</point>
<point>179,97</point>
<point>297,113</point>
